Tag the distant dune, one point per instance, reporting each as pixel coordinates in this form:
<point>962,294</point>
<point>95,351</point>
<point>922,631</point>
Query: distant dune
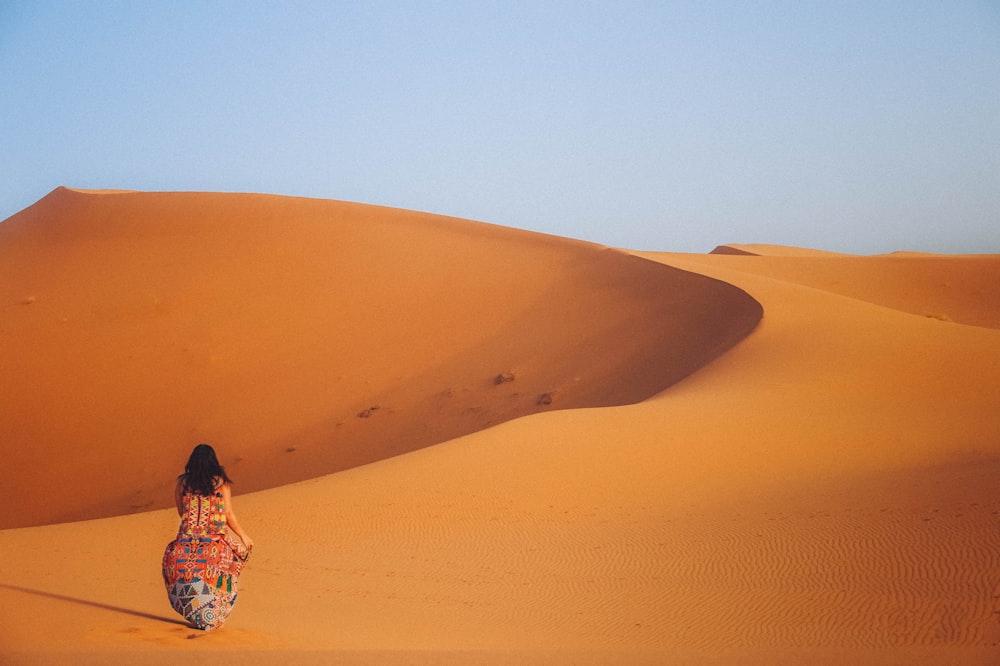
<point>964,289</point>
<point>460,443</point>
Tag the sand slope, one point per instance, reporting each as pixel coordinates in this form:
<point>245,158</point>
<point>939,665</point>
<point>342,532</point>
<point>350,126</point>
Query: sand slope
<point>824,492</point>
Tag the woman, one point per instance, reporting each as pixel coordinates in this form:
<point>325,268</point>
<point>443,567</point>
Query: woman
<point>201,567</point>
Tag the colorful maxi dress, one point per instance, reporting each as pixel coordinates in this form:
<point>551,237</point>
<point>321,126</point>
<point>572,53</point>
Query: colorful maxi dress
<point>201,567</point>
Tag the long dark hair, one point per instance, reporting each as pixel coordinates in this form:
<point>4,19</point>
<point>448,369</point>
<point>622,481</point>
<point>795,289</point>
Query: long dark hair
<point>202,470</point>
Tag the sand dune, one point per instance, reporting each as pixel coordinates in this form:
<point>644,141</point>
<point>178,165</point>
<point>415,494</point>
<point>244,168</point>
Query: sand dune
<point>756,250</point>
<point>822,492</point>
<point>963,289</point>
<point>318,335</point>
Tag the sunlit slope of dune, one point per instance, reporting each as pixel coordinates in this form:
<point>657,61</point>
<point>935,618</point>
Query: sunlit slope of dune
<point>305,336</point>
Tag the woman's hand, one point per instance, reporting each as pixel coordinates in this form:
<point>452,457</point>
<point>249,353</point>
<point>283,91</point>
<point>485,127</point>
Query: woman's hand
<point>247,541</point>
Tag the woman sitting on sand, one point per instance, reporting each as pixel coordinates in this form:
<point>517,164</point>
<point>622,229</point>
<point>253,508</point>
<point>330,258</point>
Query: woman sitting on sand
<point>201,567</point>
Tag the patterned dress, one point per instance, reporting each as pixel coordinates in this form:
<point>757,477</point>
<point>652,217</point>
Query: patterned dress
<point>201,567</point>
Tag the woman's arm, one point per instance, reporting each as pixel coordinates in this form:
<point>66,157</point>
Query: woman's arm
<point>231,520</point>
<point>178,497</point>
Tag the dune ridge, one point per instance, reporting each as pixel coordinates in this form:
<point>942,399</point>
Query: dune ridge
<point>823,492</point>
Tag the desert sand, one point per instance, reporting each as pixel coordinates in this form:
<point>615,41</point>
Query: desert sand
<point>455,442</point>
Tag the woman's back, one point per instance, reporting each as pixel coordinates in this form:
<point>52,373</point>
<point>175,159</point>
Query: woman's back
<point>204,516</point>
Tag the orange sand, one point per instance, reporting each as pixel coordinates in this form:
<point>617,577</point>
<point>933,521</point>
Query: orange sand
<point>824,491</point>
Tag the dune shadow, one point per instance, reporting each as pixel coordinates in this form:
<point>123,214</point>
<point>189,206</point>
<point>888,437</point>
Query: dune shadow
<point>94,604</point>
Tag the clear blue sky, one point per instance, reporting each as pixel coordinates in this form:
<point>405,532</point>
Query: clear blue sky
<point>861,127</point>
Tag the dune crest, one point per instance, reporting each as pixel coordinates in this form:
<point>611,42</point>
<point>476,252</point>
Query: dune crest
<point>305,336</point>
<point>80,190</point>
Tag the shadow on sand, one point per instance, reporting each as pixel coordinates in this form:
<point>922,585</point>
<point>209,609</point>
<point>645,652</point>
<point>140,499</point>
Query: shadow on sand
<point>94,604</point>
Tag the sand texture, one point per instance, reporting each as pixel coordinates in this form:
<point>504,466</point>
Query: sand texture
<point>455,442</point>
